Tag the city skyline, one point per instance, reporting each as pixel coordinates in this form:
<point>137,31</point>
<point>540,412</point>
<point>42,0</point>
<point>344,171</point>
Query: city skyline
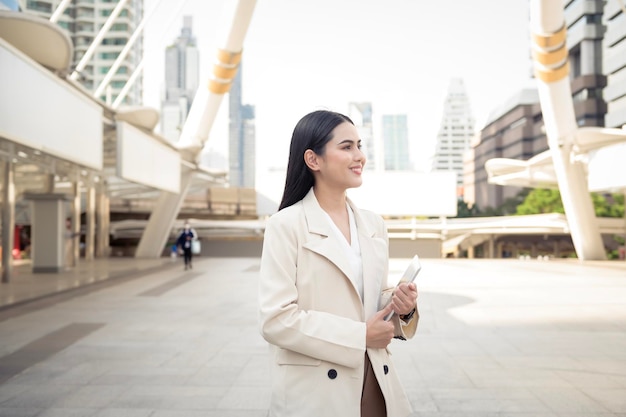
<point>399,56</point>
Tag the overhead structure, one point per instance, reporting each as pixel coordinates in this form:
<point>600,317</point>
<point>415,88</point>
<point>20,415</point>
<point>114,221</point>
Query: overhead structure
<point>550,56</point>
<point>235,22</point>
<point>539,171</point>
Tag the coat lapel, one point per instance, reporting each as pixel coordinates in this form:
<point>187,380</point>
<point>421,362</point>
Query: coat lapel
<point>322,240</point>
<point>371,248</point>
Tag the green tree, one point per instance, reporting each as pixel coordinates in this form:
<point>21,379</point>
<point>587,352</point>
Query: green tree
<point>608,205</point>
<point>464,210</point>
<point>541,200</point>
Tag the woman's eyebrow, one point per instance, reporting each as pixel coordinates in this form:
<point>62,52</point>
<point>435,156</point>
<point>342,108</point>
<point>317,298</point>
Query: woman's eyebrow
<point>349,141</point>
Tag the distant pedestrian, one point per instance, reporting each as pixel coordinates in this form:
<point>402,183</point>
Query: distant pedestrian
<point>184,241</point>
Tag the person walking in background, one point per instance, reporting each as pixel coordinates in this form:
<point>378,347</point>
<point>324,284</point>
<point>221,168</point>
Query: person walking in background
<point>324,267</point>
<point>184,242</point>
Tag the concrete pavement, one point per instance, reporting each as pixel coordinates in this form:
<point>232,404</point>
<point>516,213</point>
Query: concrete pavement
<point>496,338</point>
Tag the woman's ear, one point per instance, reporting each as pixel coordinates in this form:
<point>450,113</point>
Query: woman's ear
<point>310,159</point>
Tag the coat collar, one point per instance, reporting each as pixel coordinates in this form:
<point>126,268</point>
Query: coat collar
<point>318,222</point>
<point>330,248</point>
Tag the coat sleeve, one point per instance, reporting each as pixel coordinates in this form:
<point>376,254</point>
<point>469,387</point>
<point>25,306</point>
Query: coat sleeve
<point>402,330</point>
<point>317,334</point>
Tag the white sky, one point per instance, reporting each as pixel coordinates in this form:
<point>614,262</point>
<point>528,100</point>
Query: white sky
<point>400,55</point>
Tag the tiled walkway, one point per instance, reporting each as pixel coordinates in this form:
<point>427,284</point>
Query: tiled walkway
<point>496,338</point>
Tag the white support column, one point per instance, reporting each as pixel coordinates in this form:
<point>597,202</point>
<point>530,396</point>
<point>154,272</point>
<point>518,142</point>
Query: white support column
<point>102,222</point>
<point>551,70</point>
<point>499,250</point>
<point>491,247</point>
<point>235,22</point>
<point>75,227</point>
<point>90,222</point>
<point>49,184</point>
<point>8,220</point>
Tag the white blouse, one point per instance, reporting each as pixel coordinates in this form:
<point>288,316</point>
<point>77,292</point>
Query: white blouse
<point>352,249</point>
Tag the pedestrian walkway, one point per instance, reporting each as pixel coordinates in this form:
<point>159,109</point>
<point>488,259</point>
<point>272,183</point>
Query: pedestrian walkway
<point>496,338</point>
<point>25,285</point>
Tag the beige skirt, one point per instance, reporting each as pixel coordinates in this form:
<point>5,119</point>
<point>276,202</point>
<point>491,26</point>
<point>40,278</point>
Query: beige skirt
<point>372,400</point>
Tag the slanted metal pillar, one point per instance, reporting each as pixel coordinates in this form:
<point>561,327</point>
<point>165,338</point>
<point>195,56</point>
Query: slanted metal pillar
<point>235,22</point>
<point>162,219</point>
<point>550,56</point>
<point>8,220</point>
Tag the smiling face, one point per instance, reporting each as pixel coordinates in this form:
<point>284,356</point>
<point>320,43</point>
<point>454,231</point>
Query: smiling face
<point>342,162</point>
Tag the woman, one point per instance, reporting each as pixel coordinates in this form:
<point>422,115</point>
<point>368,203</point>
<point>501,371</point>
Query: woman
<point>323,269</point>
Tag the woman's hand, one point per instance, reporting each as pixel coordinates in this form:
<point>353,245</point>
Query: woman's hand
<point>404,299</point>
<point>379,332</point>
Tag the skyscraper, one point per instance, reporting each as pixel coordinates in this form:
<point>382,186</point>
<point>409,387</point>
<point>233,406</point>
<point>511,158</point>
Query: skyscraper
<point>181,81</point>
<point>82,20</point>
<point>361,115</point>
<point>241,140</point>
<point>455,132</point>
<point>615,63</point>
<point>396,142</point>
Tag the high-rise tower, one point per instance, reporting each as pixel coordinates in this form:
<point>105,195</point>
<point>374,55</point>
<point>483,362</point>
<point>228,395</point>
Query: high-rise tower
<point>241,140</point>
<point>455,132</point>
<point>396,142</point>
<point>82,20</point>
<point>615,63</point>
<point>181,81</point>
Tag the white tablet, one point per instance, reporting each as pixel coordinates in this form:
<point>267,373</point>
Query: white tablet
<point>409,276</point>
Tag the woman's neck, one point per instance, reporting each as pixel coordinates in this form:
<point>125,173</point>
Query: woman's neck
<point>331,201</point>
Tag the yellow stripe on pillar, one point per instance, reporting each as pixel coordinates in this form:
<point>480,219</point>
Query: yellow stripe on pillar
<point>550,53</point>
<point>551,40</point>
<point>224,71</point>
<point>228,58</point>
<point>550,58</point>
<point>551,75</point>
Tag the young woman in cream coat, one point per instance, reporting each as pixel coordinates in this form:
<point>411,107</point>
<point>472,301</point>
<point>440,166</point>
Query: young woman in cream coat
<point>323,270</point>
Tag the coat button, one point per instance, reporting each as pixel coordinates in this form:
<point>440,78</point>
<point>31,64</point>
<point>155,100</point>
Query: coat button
<point>332,374</point>
<point>386,369</point>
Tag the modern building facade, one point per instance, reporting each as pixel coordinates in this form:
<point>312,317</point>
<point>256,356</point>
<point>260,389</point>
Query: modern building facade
<point>396,142</point>
<point>585,32</point>
<point>181,81</point>
<point>241,141</point>
<point>361,115</point>
<point>455,132</point>
<point>614,60</point>
<point>82,20</point>
<point>515,129</point>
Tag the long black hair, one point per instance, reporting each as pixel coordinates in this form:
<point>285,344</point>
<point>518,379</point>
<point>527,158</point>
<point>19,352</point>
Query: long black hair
<point>313,132</point>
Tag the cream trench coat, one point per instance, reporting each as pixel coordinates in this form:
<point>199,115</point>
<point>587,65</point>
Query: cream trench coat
<point>312,314</point>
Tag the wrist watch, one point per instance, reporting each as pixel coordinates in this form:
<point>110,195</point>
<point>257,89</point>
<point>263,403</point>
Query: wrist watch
<point>407,317</point>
